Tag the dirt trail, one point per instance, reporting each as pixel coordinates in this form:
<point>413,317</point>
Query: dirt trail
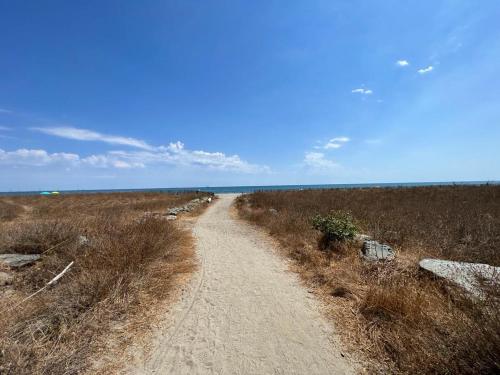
<point>243,312</point>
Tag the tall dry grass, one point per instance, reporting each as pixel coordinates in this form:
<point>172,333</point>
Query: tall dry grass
<point>123,265</point>
<point>394,314</point>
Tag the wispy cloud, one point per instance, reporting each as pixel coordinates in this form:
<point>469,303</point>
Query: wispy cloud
<point>430,68</point>
<point>336,142</point>
<point>4,128</point>
<point>402,63</point>
<point>362,91</point>
<point>317,160</point>
<point>3,110</point>
<point>89,135</point>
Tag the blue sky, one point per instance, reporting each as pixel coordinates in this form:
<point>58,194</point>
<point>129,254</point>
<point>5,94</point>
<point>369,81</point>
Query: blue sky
<point>138,94</point>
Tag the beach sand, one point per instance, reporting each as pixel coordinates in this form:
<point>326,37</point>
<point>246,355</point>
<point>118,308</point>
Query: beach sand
<point>243,312</point>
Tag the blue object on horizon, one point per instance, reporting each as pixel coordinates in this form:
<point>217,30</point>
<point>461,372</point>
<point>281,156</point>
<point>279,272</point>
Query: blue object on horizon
<point>45,193</point>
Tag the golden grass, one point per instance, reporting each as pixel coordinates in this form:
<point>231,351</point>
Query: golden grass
<point>394,315</point>
<point>125,266</point>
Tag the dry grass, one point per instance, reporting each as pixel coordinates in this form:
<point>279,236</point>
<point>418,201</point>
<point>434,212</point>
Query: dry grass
<point>124,265</point>
<point>9,210</point>
<point>394,314</point>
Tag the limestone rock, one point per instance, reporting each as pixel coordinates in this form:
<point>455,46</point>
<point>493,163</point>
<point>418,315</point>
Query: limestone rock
<point>188,207</point>
<point>18,260</point>
<point>469,276</point>
<point>373,251</point>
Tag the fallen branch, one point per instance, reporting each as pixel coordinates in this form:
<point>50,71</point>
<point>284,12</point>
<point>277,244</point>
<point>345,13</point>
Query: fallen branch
<point>51,282</point>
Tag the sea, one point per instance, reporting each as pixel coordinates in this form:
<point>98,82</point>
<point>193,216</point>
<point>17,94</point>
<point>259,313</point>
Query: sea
<point>250,189</point>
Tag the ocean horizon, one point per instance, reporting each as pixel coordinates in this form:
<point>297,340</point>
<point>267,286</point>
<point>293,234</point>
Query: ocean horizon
<point>253,188</point>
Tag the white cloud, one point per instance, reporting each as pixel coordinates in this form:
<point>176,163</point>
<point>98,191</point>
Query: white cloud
<point>177,154</point>
<point>3,110</point>
<point>4,128</point>
<point>317,160</point>
<point>336,142</point>
<point>124,165</point>
<point>36,157</point>
<point>174,154</point>
<point>109,161</point>
<point>89,135</point>
<point>362,91</point>
<point>402,63</point>
<point>430,68</point>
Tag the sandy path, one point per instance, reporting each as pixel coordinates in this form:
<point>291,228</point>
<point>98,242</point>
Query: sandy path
<point>243,313</point>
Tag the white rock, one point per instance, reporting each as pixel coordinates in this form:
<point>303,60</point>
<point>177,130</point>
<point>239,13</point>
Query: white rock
<point>374,251</point>
<point>469,276</point>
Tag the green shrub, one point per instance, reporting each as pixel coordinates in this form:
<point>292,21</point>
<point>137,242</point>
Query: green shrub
<point>337,226</point>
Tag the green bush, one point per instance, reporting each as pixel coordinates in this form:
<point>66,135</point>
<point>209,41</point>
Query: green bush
<point>337,226</point>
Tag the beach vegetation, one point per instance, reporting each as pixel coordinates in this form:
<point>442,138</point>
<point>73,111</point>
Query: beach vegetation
<point>393,315</point>
<point>336,226</point>
<point>123,261</point>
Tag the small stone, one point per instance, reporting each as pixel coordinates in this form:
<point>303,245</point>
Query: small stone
<point>171,217</point>
<point>83,240</point>
<point>18,260</point>
<point>374,251</point>
<point>273,211</point>
<point>5,279</point>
